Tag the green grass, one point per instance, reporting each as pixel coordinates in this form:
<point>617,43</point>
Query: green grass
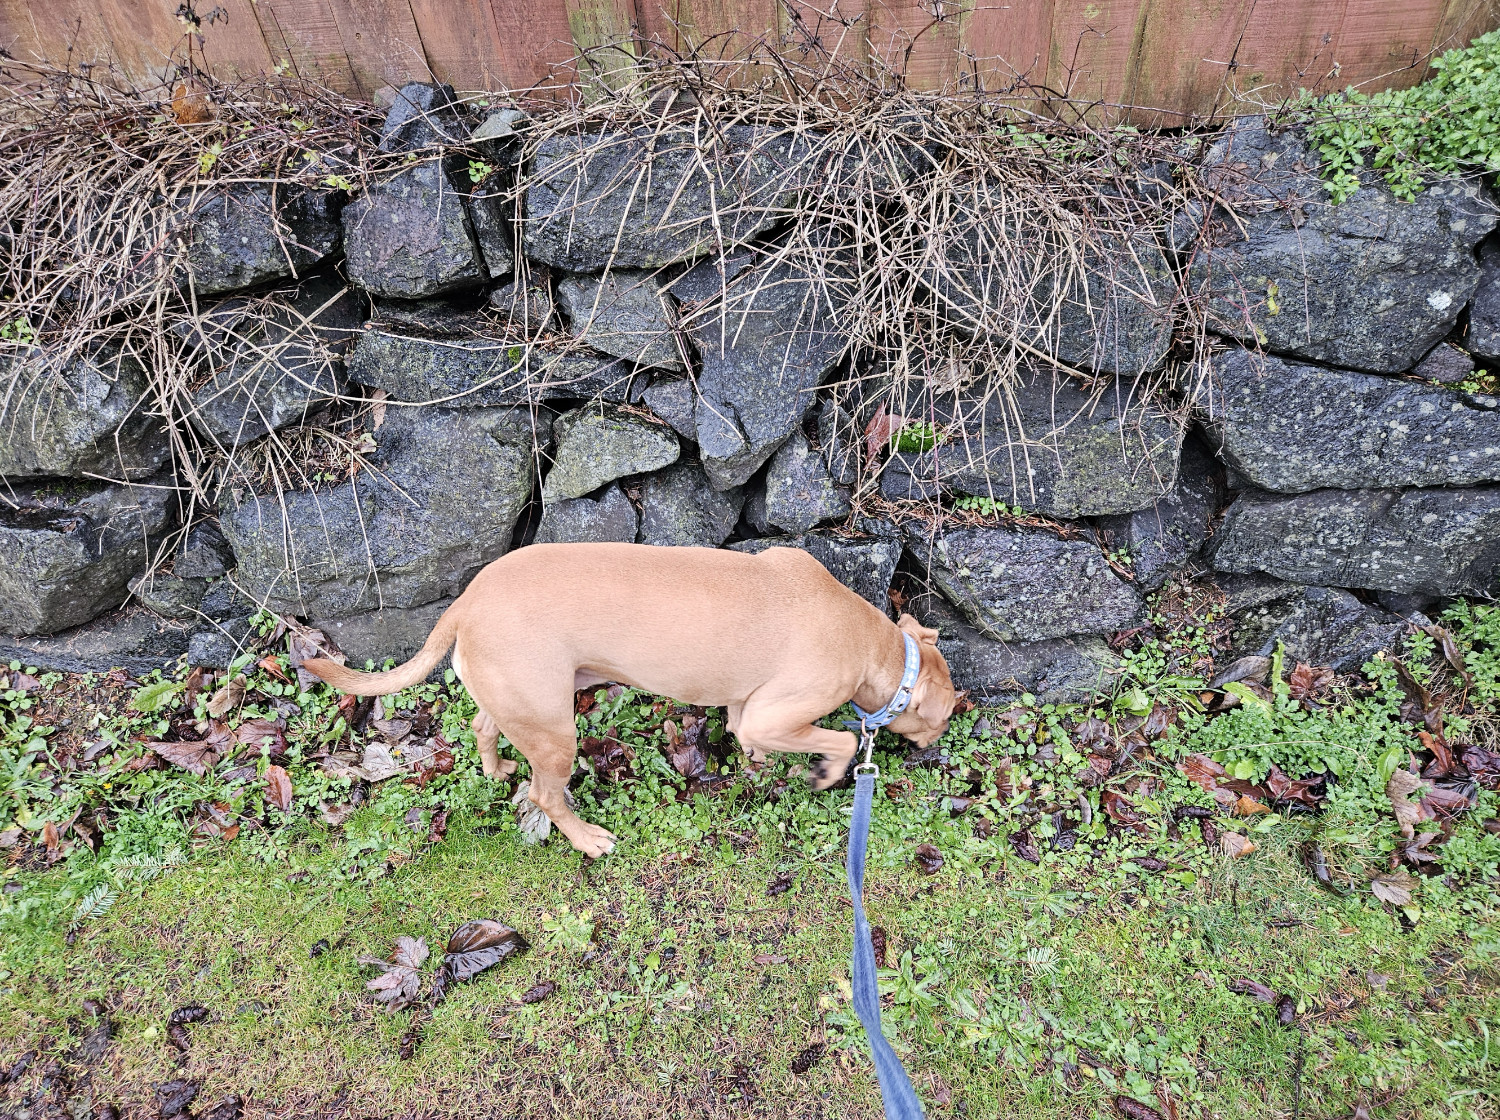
<point>687,988</point>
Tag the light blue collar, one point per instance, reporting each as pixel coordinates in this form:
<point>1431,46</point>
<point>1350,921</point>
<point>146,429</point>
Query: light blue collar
<point>870,721</point>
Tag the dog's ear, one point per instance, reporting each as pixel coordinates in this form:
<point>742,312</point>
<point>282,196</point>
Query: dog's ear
<point>933,698</point>
<point>917,630</point>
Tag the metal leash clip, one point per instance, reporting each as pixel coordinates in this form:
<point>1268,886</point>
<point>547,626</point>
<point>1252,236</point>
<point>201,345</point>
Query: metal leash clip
<point>867,744</point>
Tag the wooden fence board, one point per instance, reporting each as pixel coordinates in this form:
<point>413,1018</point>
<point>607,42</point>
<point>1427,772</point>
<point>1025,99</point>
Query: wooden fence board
<point>1289,45</point>
<point>917,40</point>
<point>1168,55</point>
<point>1181,65</point>
<point>1092,48</point>
<point>1007,44</point>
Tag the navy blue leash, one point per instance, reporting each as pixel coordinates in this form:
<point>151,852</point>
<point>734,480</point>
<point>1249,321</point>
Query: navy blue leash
<point>896,1093</point>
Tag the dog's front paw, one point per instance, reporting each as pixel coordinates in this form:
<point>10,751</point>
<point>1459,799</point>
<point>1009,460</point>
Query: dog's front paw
<point>828,772</point>
<point>591,840</point>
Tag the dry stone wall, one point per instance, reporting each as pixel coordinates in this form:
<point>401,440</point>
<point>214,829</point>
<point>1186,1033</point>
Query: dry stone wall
<point>621,362</point>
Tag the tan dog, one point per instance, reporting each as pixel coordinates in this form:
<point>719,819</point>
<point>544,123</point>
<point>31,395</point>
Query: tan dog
<point>773,638</point>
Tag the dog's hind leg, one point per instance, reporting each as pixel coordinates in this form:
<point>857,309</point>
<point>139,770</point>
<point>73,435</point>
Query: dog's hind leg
<point>487,735</point>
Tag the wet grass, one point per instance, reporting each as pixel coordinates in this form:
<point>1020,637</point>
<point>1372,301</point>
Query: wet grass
<point>1016,990</point>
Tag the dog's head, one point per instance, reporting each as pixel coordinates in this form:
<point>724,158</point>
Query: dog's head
<point>932,700</point>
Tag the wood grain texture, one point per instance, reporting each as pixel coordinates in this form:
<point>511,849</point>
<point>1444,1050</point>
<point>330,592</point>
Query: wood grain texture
<point>1174,57</point>
<point>1288,45</point>
<point>1180,67</point>
<point>918,41</point>
<point>1007,44</point>
<point>1093,45</point>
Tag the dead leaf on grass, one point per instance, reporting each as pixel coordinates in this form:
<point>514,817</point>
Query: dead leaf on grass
<point>1252,668</point>
<point>1442,757</point>
<point>1483,766</point>
<point>279,788</point>
<point>781,884</point>
<point>474,947</point>
<point>1203,771</point>
<point>768,958</point>
<point>1024,846</point>
<point>929,859</point>
<point>1132,1109</point>
<point>1451,653</point>
<point>194,757</point>
<point>173,1097</point>
<point>1402,784</point>
<point>538,992</point>
<point>397,986</point>
<point>1253,988</point>
<point>1416,852</point>
<point>878,432</point>
<point>1248,807</point>
<point>1119,810</point>
<point>1306,682</point>
<point>1394,888</point>
<point>227,698</point>
<point>1234,845</point>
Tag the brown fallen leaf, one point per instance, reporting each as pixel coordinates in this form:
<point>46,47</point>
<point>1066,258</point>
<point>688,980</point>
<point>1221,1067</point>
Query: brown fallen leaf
<point>1416,852</point>
<point>1402,784</point>
<point>929,859</point>
<point>1451,653</point>
<point>1119,810</point>
<point>1132,1109</point>
<point>306,645</point>
<point>1248,807</point>
<point>1202,770</point>
<point>190,104</point>
<point>1157,723</point>
<point>1394,888</point>
<point>1419,706</point>
<point>397,986</point>
<point>878,432</point>
<point>538,992</point>
<point>1024,846</point>
<point>1286,1011</point>
<point>279,788</point>
<point>1483,766</point>
<point>781,884</point>
<point>227,698</point>
<point>1442,756</point>
<point>1253,668</point>
<point>1306,682</point>
<point>1253,988</point>
<point>768,958</point>
<point>194,757</point>
<point>474,947</point>
<point>1234,845</point>
<point>1448,799</point>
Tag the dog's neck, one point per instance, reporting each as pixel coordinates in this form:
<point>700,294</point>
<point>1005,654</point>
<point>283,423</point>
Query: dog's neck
<point>884,677</point>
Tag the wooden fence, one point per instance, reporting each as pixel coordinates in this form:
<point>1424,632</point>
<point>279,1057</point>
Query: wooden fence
<point>1179,58</point>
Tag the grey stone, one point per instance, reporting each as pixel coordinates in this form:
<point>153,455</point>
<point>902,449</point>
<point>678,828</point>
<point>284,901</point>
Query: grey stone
<point>132,639</point>
<point>395,633</point>
<point>68,551</point>
<point>764,350</point>
<point>1321,626</point>
<point>1369,284</point>
<point>1161,539</point>
<point>645,199</point>
<point>91,416</point>
<point>527,308</point>
<point>490,218</point>
<point>1052,448</point>
<point>472,362</point>
<point>623,313</point>
<point>422,115</point>
<point>246,234</point>
<point>610,517</point>
<point>1445,363</point>
<point>1026,584</point>
<point>171,596</point>
<point>709,278</point>
<point>501,127</point>
<point>865,565</point>
<point>450,486</point>
<point>224,628</point>
<point>1406,605</point>
<point>675,402</point>
<point>799,492</point>
<point>1436,542</point>
<point>1115,317</point>
<point>1292,427</point>
<point>839,439</point>
<point>409,237</point>
<point>1055,671</point>
<point>596,445</point>
<point>1252,590</point>
<point>278,362</point>
<point>680,507</point>
<point>1484,313</point>
<point>204,554</point>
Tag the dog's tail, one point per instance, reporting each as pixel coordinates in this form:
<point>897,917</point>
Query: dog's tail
<point>392,680</point>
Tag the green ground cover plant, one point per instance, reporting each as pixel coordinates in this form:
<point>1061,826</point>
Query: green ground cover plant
<point>1203,901</point>
<point>1447,125</point>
